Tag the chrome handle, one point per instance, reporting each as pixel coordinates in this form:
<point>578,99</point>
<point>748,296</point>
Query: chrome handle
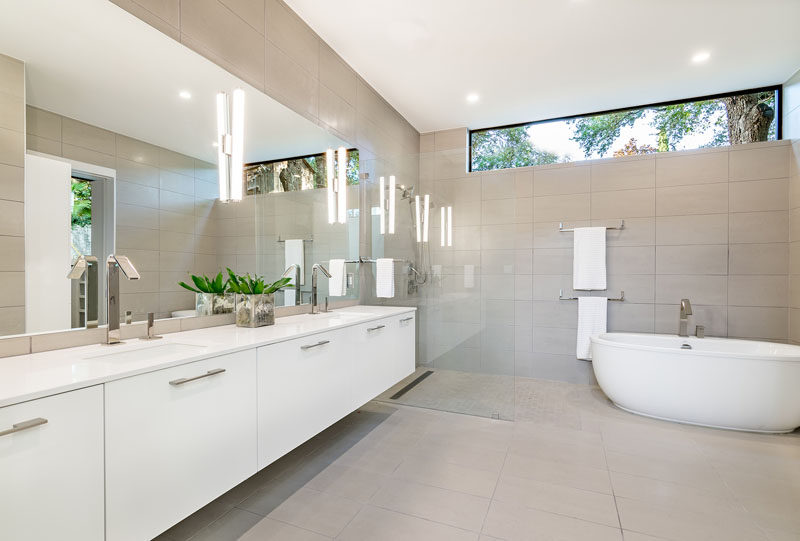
<point>321,343</point>
<point>24,425</point>
<point>181,381</point>
<point>406,319</point>
<point>379,327</point>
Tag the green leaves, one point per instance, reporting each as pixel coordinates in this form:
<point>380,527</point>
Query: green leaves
<point>249,285</point>
<point>204,284</point>
<point>507,147</point>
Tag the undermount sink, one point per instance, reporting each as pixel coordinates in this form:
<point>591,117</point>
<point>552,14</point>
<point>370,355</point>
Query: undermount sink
<point>159,351</point>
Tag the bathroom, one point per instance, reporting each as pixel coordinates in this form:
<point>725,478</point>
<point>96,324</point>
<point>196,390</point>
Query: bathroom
<point>441,383</point>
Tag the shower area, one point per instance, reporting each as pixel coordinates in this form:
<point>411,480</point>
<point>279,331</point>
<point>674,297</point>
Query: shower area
<point>465,344</point>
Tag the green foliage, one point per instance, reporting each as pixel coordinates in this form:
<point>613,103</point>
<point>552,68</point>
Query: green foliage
<point>597,133</point>
<point>81,203</point>
<point>204,284</point>
<point>507,147</point>
<point>249,285</point>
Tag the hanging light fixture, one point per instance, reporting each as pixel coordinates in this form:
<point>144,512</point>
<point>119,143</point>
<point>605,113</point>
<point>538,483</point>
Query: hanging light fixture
<point>230,145</point>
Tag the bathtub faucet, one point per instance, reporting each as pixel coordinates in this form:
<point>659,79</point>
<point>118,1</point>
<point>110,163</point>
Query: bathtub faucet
<point>683,323</point>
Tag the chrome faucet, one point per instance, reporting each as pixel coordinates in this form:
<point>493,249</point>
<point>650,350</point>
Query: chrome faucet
<point>87,264</point>
<point>314,304</point>
<point>286,274</point>
<point>683,323</point>
<point>115,264</point>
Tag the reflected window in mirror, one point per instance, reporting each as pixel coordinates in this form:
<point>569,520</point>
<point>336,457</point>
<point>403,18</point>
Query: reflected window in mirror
<point>294,174</point>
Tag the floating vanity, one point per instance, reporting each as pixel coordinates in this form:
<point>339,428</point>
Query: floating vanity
<point>145,433</point>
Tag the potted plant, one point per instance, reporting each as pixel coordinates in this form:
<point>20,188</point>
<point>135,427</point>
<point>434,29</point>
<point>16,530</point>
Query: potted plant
<point>212,296</point>
<point>255,299</point>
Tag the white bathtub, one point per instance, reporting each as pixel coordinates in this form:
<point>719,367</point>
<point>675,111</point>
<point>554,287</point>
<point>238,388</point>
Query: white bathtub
<point>720,382</point>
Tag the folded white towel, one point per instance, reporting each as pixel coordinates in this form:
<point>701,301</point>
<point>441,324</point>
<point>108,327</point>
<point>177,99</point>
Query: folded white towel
<point>294,254</point>
<point>589,258</point>
<point>592,316</point>
<point>469,276</point>
<point>384,279</point>
<point>336,285</point>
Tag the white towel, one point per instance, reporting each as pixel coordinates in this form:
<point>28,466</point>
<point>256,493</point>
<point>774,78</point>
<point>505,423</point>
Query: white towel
<point>591,322</point>
<point>589,258</point>
<point>293,254</point>
<point>336,285</point>
<point>384,279</point>
<point>469,276</point>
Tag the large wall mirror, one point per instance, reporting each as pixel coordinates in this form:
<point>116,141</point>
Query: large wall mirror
<point>118,132</point>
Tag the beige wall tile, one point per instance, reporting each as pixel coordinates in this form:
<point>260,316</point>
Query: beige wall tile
<point>87,156</point>
<point>137,151</point>
<point>17,345</point>
<point>638,288</point>
<point>87,136</point>
<point>12,147</point>
<point>568,179</point>
<point>176,202</point>
<point>288,32</point>
<point>759,227</point>
<point>758,290</point>
<point>561,208</point>
<point>699,199</point>
<point>450,164</point>
<point>67,339</point>
<point>623,204</point>
<point>498,186</point>
<point>335,74</point>
<point>692,259</point>
<point>40,144</point>
<point>12,219</point>
<point>758,195</point>
<point>710,290</point>
<point>12,288</point>
<point>702,168</point>
<point>494,237</point>
<point>12,112</point>
<point>151,18</point>
<point>758,322</point>
<point>251,11</point>
<point>759,163</point>
<point>630,260</point>
<point>450,139</point>
<point>552,261</point>
<point>498,211</point>
<point>12,320</point>
<point>713,318</point>
<point>770,258</point>
<point>630,317</point>
<point>176,162</point>
<point>137,173</point>
<point>12,183</point>
<point>137,216</point>
<point>12,76</point>
<point>337,113</point>
<point>625,174</point>
<point>43,123</point>
<point>694,229</point>
<point>174,182</point>
<point>135,194</point>
<point>426,140</point>
<point>523,183</point>
<point>13,251</point>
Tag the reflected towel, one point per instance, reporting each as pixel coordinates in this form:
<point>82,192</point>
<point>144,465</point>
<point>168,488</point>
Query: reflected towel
<point>591,322</point>
<point>589,258</point>
<point>336,284</point>
<point>384,279</point>
<point>294,254</point>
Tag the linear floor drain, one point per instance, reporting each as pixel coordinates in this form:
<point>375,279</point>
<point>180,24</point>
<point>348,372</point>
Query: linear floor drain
<point>411,385</point>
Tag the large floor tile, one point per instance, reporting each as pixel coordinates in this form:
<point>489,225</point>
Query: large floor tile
<point>443,474</point>
<point>319,512</point>
<point>373,523</point>
<point>549,471</point>
<point>559,499</point>
<point>440,505</point>
<point>695,473</point>
<point>347,482</point>
<point>516,522</point>
<point>229,527</point>
<point>272,530</point>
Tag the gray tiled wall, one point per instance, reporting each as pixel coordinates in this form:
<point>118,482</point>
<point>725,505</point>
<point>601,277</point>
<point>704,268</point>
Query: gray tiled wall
<point>791,131</point>
<point>165,207</point>
<point>711,225</point>
<point>12,195</point>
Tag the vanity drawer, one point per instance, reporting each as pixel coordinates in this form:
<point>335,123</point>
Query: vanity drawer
<point>51,468</point>
<point>175,440</point>
<point>303,388</point>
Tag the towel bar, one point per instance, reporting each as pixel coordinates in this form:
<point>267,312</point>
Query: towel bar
<point>304,240</point>
<point>561,296</point>
<point>563,230</point>
<point>361,260</point>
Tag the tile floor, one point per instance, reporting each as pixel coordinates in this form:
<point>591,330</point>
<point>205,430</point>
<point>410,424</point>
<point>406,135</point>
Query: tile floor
<point>571,467</point>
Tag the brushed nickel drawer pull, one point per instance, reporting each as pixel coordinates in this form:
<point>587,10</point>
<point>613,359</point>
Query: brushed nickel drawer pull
<point>406,319</point>
<point>321,343</point>
<point>181,381</point>
<point>379,327</point>
<point>24,425</point>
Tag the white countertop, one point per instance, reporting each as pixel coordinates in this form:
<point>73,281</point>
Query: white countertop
<point>27,377</point>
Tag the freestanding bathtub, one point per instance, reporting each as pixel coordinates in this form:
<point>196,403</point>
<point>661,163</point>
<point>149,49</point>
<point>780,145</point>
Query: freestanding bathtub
<point>719,382</point>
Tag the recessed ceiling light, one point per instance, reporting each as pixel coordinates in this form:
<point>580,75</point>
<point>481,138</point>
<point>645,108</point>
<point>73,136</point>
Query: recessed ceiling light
<point>185,94</point>
<point>473,98</point>
<point>700,57</point>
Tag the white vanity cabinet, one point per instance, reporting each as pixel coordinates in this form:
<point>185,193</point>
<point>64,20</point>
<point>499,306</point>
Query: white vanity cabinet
<point>383,354</point>
<point>51,468</point>
<point>176,439</point>
<point>304,386</point>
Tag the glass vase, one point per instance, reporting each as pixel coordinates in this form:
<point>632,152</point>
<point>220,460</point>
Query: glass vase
<point>255,310</point>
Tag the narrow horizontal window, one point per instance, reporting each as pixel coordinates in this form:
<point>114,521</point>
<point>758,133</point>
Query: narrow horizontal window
<point>294,174</point>
<point>710,121</point>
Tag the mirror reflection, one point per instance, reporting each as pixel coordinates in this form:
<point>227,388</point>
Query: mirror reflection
<point>110,148</point>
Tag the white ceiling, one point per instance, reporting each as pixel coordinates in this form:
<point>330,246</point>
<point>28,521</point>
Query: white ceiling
<point>92,61</point>
<point>538,59</point>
